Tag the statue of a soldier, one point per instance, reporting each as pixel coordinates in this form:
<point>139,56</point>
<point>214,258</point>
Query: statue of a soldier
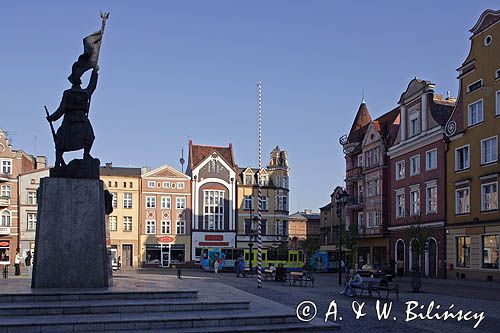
<point>76,131</point>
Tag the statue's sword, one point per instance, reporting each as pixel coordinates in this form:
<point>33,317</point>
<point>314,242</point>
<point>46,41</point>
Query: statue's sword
<point>51,125</point>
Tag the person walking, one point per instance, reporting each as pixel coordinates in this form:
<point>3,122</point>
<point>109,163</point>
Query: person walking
<point>27,261</point>
<point>216,265</point>
<point>238,270</point>
<point>17,262</point>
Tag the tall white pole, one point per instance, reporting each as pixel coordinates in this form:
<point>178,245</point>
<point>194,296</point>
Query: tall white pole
<point>259,215</point>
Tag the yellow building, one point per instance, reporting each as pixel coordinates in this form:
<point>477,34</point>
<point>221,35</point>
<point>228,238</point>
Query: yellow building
<point>274,181</point>
<point>473,217</point>
<point>124,185</point>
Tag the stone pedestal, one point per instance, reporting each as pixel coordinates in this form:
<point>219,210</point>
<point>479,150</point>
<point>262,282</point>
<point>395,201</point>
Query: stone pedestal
<point>70,246</point>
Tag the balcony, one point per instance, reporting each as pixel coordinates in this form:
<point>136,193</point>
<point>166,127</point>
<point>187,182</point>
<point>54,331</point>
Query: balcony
<point>354,202</point>
<point>4,231</point>
<point>4,201</point>
<point>354,173</point>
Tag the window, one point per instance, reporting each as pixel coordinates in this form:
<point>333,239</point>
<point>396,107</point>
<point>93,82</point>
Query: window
<point>375,187</point>
<point>491,248</point>
<point>116,184</point>
<point>375,218</point>
<point>285,182</point>
<point>31,198</point>
<point>263,180</point>
<point>487,40</point>
<point>360,193</point>
<point>462,158</point>
<point>124,184</point>
<point>180,203</point>
<point>115,199</point>
<point>360,160</point>
<point>497,74</point>
<point>414,165</point>
<point>165,227</point>
<point>489,150</point>
<point>166,185</point>
<point>463,251</point>
<point>474,86</point>
<point>181,227</point>
<point>462,201</point>
<point>150,202</point>
<point>431,159</point>
<point>400,170</point>
<point>431,198</point>
<point>31,221</point>
<point>5,191</point>
<point>248,180</point>
<point>278,181</point>
<point>180,185</point>
<point>172,185</point>
<point>475,113</point>
<point>150,227</point>
<point>415,202</point>
<point>131,185</point>
<point>360,220</point>
<point>151,184</point>
<point>369,189</point>
<point>213,209</point>
<point>5,222</point>
<point>264,203</point>
<point>400,205</point>
<point>248,227</point>
<point>127,200</point>
<point>368,219</point>
<point>279,228</point>
<point>497,107</point>
<point>127,223</point>
<point>6,167</point>
<point>248,202</point>
<point>414,123</point>
<point>165,202</point>
<point>489,197</point>
<point>113,224</point>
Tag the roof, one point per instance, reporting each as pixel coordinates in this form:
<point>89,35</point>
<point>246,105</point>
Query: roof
<point>442,108</point>
<point>165,171</point>
<point>487,18</point>
<point>304,216</point>
<point>327,206</point>
<point>198,153</point>
<point>120,171</point>
<point>360,122</point>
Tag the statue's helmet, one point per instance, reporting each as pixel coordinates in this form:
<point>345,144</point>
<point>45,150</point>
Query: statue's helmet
<point>76,74</point>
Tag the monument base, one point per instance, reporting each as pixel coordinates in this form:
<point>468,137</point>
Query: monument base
<point>78,169</point>
<point>70,245</point>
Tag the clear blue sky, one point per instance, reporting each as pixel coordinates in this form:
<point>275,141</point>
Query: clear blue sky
<point>172,70</point>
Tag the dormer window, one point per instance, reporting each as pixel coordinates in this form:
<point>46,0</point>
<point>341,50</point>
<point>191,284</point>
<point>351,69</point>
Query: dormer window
<point>414,123</point>
<point>475,86</point>
<point>248,180</point>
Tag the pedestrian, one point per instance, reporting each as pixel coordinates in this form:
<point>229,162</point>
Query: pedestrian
<point>356,281</point>
<point>179,272</point>
<point>17,262</point>
<point>27,261</point>
<point>238,270</point>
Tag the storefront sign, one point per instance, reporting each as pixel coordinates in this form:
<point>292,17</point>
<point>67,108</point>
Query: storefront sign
<point>166,239</point>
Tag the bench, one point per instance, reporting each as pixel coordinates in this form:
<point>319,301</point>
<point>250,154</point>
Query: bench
<point>268,274</point>
<point>377,285</point>
<point>302,278</point>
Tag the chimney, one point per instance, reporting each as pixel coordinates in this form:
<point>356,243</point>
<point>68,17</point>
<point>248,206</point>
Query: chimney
<point>308,211</point>
<point>145,169</point>
<point>448,94</point>
<point>109,164</point>
<point>40,162</point>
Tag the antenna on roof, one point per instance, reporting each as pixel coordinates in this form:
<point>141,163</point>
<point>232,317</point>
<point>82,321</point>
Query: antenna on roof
<point>362,96</point>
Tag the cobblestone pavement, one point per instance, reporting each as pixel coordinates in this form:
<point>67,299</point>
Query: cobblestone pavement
<point>465,295</point>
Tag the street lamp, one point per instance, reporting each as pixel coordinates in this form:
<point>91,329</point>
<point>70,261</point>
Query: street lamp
<point>341,201</point>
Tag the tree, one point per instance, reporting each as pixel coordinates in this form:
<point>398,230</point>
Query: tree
<point>418,239</point>
<point>309,245</point>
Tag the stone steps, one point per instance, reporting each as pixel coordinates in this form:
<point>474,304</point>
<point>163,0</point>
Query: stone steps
<point>141,321</point>
<point>115,306</point>
<point>94,295</point>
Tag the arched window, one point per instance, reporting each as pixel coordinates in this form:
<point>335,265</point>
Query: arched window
<point>414,256</point>
<point>5,218</point>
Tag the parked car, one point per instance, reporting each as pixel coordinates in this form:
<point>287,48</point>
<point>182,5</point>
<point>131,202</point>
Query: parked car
<point>376,270</point>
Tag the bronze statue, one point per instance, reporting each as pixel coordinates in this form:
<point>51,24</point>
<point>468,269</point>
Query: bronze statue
<point>76,132</point>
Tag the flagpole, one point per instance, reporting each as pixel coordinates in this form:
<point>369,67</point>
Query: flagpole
<point>259,214</point>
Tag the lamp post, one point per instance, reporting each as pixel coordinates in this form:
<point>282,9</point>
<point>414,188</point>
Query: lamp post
<point>255,221</point>
<point>341,201</point>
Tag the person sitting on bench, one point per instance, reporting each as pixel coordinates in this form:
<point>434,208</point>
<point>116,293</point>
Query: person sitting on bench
<point>356,281</point>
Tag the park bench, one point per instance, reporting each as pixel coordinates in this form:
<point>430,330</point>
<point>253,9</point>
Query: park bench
<point>377,285</point>
<point>268,274</point>
<point>302,278</point>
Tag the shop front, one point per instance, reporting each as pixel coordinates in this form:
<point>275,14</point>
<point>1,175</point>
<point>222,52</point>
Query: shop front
<point>373,251</point>
<point>165,252</point>
<point>5,252</point>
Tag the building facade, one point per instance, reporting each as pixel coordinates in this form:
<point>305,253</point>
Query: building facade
<point>367,181</point>
<point>124,184</point>
<point>213,173</point>
<point>303,226</point>
<point>274,181</point>
<point>165,222</point>
<point>330,224</point>
<point>417,166</point>
<point>472,170</point>
<point>28,208</point>
<point>12,163</point>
